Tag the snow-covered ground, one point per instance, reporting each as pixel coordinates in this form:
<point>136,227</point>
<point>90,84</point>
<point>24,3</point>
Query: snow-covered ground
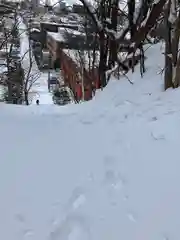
<point>106,169</point>
<point>39,89</point>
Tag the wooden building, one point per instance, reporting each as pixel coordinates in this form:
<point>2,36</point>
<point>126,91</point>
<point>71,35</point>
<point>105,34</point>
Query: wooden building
<point>76,65</point>
<point>52,27</point>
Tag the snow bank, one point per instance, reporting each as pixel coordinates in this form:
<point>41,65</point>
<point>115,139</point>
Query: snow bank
<point>107,169</point>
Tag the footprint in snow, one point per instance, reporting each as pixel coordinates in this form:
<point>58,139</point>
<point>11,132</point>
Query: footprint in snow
<point>170,112</point>
<point>117,104</point>
<point>86,122</point>
<point>111,176</point>
<point>55,210</point>
<point>80,200</point>
<point>165,238</point>
<point>126,116</point>
<point>127,102</point>
<point>112,120</point>
<point>102,115</point>
<point>117,141</point>
<point>77,199</point>
<point>109,161</point>
<point>56,204</point>
<point>153,119</point>
<point>91,177</point>
<point>159,105</point>
<point>131,217</point>
<point>126,197</point>
<point>114,180</point>
<point>20,218</point>
<point>157,136</point>
<point>73,227</point>
<point>28,233</point>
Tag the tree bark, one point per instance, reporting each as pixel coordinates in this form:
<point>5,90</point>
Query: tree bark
<point>140,35</point>
<point>103,60</point>
<point>26,98</point>
<point>168,52</point>
<point>177,74</point>
<point>131,10</point>
<point>175,40</point>
<point>113,48</point>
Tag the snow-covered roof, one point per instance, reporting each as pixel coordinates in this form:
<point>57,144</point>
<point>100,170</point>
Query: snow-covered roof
<point>70,31</point>
<point>64,19</point>
<point>35,23</point>
<point>60,35</point>
<point>52,23</point>
<point>123,5</point>
<point>34,30</point>
<point>45,52</point>
<point>67,21</point>
<point>56,36</point>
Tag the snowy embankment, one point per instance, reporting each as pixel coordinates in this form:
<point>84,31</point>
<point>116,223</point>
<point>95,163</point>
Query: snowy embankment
<point>106,169</point>
<point>39,89</point>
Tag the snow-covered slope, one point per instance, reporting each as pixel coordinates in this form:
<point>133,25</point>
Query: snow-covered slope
<point>107,169</point>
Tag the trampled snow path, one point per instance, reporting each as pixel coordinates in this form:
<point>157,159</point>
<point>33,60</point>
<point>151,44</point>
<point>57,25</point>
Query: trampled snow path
<point>40,87</point>
<point>115,176</point>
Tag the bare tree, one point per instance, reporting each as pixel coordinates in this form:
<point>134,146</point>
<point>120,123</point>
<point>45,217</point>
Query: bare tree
<point>28,62</point>
<point>174,57</point>
<point>171,18</point>
<point>168,50</point>
<point>87,63</point>
<point>113,39</point>
<point>14,70</point>
<point>20,73</point>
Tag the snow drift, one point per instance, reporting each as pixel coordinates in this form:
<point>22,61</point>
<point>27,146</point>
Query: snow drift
<point>107,169</point>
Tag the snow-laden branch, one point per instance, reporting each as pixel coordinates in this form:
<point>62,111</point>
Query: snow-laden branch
<point>142,32</point>
<point>91,12</point>
<point>138,11</point>
<point>173,13</point>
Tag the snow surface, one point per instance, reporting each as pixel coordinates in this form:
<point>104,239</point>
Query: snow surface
<point>106,169</point>
<point>56,36</point>
<point>39,89</point>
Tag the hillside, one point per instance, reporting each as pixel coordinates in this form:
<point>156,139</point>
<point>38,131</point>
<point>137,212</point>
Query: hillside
<point>105,169</point>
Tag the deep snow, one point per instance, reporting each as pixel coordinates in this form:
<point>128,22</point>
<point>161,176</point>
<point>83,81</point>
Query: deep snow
<point>106,169</point>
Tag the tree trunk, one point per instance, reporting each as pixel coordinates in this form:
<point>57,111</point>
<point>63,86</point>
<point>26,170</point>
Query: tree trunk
<point>168,52</point>
<point>26,98</point>
<point>113,47</point>
<point>177,73</point>
<point>175,57</point>
<point>103,46</point>
<point>175,39</point>
<point>9,85</point>
<point>140,34</point>
<point>103,59</point>
<point>131,9</point>
<point>142,65</point>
